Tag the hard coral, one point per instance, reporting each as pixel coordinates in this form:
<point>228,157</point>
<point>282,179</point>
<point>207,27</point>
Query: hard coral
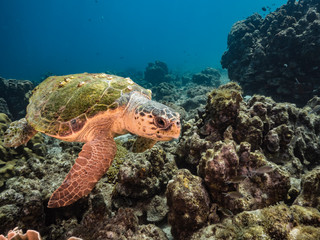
<point>208,76</point>
<point>156,72</point>
<point>234,182</point>
<point>145,174</point>
<point>188,203</point>
<point>275,222</point>
<point>309,195</point>
<point>14,93</point>
<point>267,55</point>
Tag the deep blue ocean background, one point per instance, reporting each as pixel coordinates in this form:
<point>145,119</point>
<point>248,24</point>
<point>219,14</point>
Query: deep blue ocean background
<point>62,37</point>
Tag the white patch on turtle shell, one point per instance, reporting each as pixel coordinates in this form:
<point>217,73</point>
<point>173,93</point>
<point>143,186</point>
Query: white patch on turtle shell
<point>129,81</point>
<point>80,84</point>
<point>102,75</point>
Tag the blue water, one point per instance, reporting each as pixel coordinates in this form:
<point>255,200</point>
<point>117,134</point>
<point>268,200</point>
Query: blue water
<point>70,36</point>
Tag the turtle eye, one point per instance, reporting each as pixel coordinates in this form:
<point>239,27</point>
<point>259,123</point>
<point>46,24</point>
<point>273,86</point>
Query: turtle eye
<point>160,122</point>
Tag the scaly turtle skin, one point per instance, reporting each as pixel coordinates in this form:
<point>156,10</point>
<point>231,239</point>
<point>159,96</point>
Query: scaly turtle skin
<point>92,108</point>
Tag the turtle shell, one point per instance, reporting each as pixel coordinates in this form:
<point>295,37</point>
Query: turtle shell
<point>61,105</point>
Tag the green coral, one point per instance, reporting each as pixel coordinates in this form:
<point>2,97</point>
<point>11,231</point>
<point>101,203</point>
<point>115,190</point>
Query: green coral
<point>225,100</point>
<point>6,170</point>
<point>9,157</point>
<point>275,222</point>
<point>117,162</point>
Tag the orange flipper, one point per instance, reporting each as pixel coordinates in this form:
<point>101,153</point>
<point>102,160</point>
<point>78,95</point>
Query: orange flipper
<point>92,163</point>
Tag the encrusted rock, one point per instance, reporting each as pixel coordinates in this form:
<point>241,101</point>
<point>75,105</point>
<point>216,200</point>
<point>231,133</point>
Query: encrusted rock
<point>235,181</point>
<point>144,175</point>
<point>14,93</point>
<point>275,222</point>
<point>208,76</point>
<point>156,72</point>
<point>266,55</point>
<point>188,203</point>
<point>309,195</point>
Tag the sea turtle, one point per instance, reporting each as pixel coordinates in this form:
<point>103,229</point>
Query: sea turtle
<point>92,108</point>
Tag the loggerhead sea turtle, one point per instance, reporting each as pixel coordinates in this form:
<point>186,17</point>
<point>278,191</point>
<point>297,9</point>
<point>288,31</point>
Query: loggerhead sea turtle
<point>92,108</point>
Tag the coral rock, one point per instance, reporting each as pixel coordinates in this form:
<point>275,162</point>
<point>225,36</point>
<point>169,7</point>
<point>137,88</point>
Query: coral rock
<point>188,203</point>
<point>208,76</point>
<point>266,55</point>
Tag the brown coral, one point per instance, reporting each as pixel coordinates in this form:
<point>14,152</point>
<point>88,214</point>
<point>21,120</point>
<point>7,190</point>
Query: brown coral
<point>188,203</point>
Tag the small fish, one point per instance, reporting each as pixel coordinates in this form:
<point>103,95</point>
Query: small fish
<point>315,110</point>
<point>263,169</point>
<point>234,194</point>
<point>264,9</point>
<point>226,212</point>
<point>237,179</point>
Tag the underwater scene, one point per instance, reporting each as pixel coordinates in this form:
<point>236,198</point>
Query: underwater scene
<point>160,120</point>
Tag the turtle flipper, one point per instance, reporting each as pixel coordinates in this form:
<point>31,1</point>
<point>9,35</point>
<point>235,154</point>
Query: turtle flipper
<point>142,144</point>
<point>92,163</point>
<point>18,133</point>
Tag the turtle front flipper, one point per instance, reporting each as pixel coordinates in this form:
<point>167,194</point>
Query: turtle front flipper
<point>142,144</point>
<point>92,163</point>
<point>18,133</point>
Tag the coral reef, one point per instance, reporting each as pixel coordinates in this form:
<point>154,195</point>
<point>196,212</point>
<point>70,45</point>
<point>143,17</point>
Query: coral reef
<point>309,195</point>
<point>285,134</point>
<point>243,162</point>
<point>275,222</point>
<point>208,76</point>
<point>10,157</point>
<point>232,179</point>
<point>14,94</point>
<point>165,91</point>
<point>25,194</point>
<point>145,174</point>
<point>251,155</point>
<point>188,202</point>
<point>156,73</point>
<point>267,55</point>
<point>4,108</point>
<point>124,225</point>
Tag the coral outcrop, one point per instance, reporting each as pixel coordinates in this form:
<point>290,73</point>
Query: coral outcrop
<point>208,76</point>
<point>146,174</point>
<point>251,155</point>
<point>234,182</point>
<point>275,222</point>
<point>188,202</point>
<point>10,158</point>
<point>309,195</point>
<point>285,134</point>
<point>157,72</point>
<point>266,55</point>
<point>13,92</point>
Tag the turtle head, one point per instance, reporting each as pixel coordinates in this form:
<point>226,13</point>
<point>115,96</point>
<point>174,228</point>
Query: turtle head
<point>154,120</point>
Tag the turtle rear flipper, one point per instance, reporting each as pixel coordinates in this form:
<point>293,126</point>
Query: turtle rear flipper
<point>92,163</point>
<point>18,133</point>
